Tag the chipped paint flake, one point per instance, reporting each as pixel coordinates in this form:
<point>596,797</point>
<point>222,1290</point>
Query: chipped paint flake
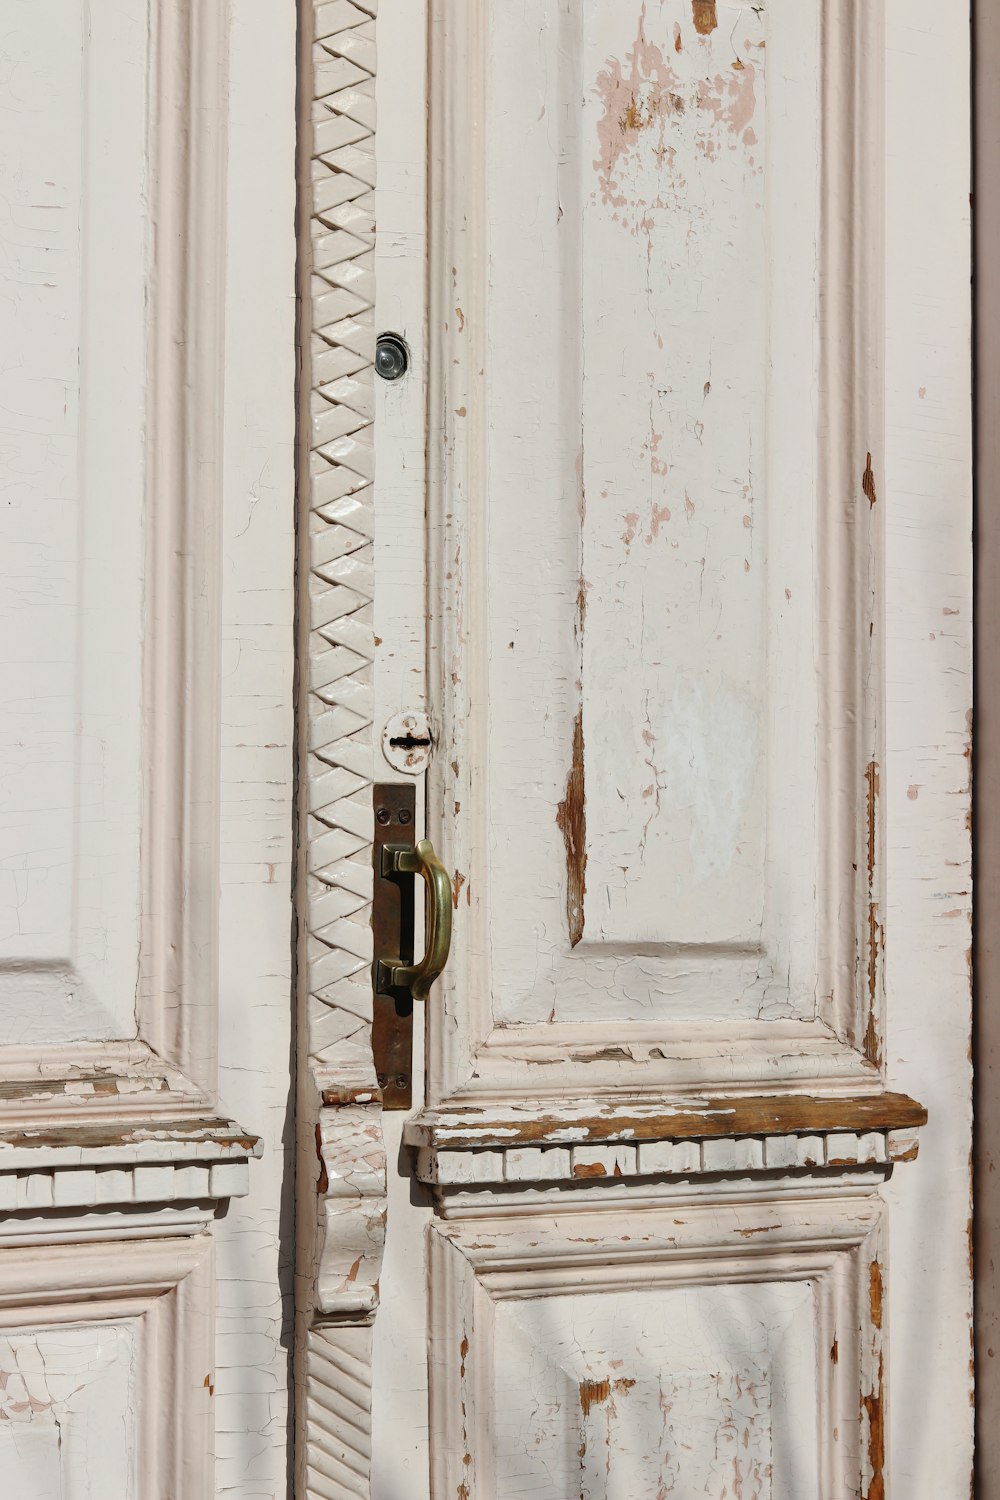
<point>571,818</point>
<point>704,15</point>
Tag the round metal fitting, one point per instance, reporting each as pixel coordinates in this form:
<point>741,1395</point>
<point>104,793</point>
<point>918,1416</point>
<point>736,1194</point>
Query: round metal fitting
<point>407,742</point>
<point>392,357</point>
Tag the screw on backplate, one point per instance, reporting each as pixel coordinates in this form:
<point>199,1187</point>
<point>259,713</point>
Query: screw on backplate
<point>405,815</point>
<point>402,1081</point>
<point>383,1079</point>
<point>383,815</point>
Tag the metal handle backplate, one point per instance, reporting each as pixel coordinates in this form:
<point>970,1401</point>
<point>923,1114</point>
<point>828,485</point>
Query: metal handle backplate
<point>397,978</point>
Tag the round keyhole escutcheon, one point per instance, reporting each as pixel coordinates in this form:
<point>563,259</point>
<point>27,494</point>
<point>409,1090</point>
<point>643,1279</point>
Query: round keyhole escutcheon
<point>392,357</point>
<point>407,741</point>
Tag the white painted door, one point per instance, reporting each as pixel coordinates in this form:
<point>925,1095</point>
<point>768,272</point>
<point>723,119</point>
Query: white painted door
<point>666,531</point>
<point>146,660</point>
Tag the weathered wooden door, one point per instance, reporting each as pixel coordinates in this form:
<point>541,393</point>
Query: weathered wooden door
<point>147,253</point>
<point>648,580</point>
<point>650,574</point>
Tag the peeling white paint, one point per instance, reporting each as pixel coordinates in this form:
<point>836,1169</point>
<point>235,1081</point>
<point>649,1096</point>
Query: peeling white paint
<point>711,753</point>
<point>704,1390</point>
<point>67,1412</point>
<point>642,610</point>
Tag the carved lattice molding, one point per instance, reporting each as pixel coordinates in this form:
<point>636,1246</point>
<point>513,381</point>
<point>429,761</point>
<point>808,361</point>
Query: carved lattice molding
<point>342,1194</point>
<point>339,755</point>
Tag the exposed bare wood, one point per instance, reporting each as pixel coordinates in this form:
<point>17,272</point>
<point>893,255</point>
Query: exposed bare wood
<point>166,1134</point>
<point>571,816</point>
<point>623,1120</point>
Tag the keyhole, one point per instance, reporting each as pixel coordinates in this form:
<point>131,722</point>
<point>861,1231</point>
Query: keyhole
<point>411,742</point>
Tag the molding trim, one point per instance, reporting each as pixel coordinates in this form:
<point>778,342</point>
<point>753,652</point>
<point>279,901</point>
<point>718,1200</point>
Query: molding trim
<point>177,1005</point>
<point>337,642</point>
<point>122,1221</point>
<point>73,1166</point>
<point>350,1235</point>
<point>338,1413</point>
<point>837,1151</point>
<point>341,1178</point>
<point>851,526</point>
<point>986,747</point>
<point>600,1139</point>
<point>337,541</point>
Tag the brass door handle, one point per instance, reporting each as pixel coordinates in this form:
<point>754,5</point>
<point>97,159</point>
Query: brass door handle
<point>419,859</point>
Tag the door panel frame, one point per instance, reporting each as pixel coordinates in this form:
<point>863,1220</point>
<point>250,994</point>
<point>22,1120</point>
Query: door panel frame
<point>169,1070</point>
<point>472,1059</point>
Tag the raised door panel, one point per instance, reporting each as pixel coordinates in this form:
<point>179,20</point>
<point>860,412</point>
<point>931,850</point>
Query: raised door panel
<point>711,1348</point>
<point>73,181</point>
<point>110,654</point>
<point>636,1393</point>
<point>656,621</point>
<point>110,639</point>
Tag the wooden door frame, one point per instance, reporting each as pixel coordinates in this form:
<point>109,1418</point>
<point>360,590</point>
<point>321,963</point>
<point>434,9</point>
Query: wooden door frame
<point>986,796</point>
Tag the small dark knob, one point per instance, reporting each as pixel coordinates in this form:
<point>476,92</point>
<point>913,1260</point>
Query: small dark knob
<point>392,357</point>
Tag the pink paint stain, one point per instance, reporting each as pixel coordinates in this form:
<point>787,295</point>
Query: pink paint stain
<point>636,96</point>
<point>645,102</point>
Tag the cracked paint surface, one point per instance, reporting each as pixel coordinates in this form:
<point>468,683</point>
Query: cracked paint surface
<point>691,1392</point>
<point>67,1412</point>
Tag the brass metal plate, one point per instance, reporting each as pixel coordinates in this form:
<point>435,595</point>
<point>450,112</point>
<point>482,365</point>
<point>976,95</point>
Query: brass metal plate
<point>392,929</point>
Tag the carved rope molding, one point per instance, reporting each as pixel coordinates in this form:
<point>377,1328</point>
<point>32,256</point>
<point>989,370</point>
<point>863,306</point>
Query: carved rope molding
<point>342,1176</point>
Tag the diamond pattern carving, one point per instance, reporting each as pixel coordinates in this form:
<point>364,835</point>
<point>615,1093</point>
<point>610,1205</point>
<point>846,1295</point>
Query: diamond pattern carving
<point>340,745</point>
